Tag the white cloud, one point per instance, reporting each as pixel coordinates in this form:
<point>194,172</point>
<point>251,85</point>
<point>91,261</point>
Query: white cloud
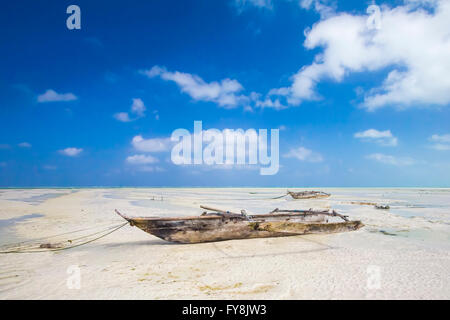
<point>122,117</point>
<point>52,96</point>
<point>224,93</point>
<point>139,159</point>
<point>137,107</point>
<point>414,43</point>
<point>263,4</point>
<point>151,145</point>
<point>71,152</point>
<point>304,154</point>
<point>445,138</point>
<point>384,138</point>
<point>269,103</point>
<point>441,142</point>
<point>151,169</point>
<point>388,159</point>
<point>24,145</point>
<point>324,7</point>
<point>441,147</point>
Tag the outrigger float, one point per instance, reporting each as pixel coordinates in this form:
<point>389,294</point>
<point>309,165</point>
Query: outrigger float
<point>219,225</point>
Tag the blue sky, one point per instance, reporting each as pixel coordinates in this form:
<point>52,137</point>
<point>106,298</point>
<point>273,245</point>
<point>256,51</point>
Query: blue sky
<point>356,106</point>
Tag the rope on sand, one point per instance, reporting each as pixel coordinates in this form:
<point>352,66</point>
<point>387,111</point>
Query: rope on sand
<point>284,195</point>
<point>33,248</point>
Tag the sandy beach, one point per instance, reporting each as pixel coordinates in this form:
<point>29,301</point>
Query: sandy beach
<point>401,253</point>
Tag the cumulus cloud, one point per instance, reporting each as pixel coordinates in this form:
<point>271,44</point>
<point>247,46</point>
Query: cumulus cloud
<point>122,117</point>
<point>139,159</point>
<point>71,152</point>
<point>445,138</point>
<point>24,145</point>
<point>270,103</point>
<point>304,154</point>
<point>137,108</point>
<point>151,145</point>
<point>391,160</point>
<point>52,96</point>
<point>414,44</point>
<point>441,142</point>
<point>441,146</point>
<point>324,7</point>
<point>223,93</point>
<point>384,138</point>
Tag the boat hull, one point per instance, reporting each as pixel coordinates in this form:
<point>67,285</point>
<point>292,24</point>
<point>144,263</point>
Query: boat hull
<point>216,228</point>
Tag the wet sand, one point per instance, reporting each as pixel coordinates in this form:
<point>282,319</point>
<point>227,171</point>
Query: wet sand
<point>401,253</point>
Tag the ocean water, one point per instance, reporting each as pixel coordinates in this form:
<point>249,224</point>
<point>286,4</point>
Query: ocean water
<point>7,226</point>
<point>33,196</point>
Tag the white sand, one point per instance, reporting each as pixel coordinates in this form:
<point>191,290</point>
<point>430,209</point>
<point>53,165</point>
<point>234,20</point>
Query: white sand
<point>403,253</point>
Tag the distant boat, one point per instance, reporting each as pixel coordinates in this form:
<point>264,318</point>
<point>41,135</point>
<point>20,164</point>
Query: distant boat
<point>224,225</point>
<point>308,194</point>
<point>382,206</point>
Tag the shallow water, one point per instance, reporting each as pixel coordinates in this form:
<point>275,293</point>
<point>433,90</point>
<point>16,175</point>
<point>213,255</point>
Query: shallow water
<point>7,234</point>
<point>34,196</point>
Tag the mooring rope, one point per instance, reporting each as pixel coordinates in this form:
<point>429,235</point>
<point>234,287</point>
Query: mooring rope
<point>54,236</point>
<point>31,250</point>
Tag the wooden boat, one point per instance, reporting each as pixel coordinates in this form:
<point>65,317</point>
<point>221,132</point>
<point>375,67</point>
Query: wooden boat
<point>224,225</point>
<point>308,194</point>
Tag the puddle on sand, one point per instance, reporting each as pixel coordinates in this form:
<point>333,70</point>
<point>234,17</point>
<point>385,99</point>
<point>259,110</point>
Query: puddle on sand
<point>40,198</point>
<point>7,234</point>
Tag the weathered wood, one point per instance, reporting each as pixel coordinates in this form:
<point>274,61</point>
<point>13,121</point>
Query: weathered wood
<point>228,226</point>
<point>222,212</point>
<point>326,213</point>
<point>308,194</point>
